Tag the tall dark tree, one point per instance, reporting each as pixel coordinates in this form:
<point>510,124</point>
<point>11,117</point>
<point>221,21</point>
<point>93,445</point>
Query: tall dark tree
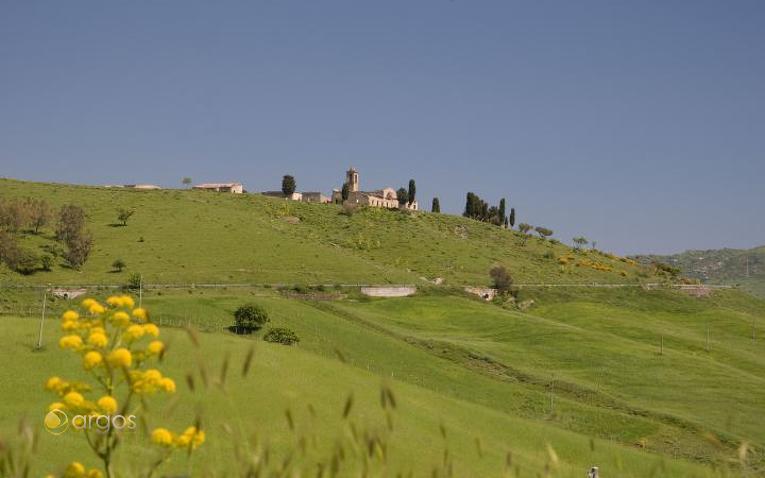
<point>511,219</point>
<point>501,212</point>
<point>403,196</point>
<point>469,205</point>
<point>436,207</point>
<point>346,191</point>
<point>412,193</point>
<point>288,185</point>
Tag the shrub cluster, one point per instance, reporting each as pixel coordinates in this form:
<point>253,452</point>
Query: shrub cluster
<point>250,318</point>
<point>281,335</point>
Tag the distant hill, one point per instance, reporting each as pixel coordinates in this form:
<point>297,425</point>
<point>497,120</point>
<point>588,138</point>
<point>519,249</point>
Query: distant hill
<point>744,267</point>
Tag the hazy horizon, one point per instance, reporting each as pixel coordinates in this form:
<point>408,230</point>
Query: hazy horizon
<point>641,126</point>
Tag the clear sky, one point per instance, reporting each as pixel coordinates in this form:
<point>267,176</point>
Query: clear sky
<point>640,124</point>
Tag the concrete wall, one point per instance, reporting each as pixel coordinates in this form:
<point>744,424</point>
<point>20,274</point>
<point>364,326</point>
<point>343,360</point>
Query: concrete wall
<point>388,291</point>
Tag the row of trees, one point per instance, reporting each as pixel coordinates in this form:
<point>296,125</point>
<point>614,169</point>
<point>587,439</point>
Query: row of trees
<point>478,209</point>
<point>28,215</point>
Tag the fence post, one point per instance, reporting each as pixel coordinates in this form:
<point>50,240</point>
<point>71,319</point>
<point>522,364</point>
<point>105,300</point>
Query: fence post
<point>42,319</point>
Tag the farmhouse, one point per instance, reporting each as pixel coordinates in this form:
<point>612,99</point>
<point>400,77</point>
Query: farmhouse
<point>278,194</point>
<point>235,188</point>
<point>385,197</point>
<point>315,197</point>
<point>143,187</point>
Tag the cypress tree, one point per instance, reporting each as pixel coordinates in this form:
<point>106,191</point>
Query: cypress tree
<point>469,201</point>
<point>511,219</point>
<point>501,212</point>
<point>412,191</point>
<point>436,207</point>
<point>346,191</point>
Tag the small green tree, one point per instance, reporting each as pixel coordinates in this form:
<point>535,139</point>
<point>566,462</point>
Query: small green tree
<point>78,249</point>
<point>288,185</point>
<point>436,206</point>
<point>579,242</point>
<point>118,265</point>
<point>501,279</point>
<point>186,181</point>
<point>403,196</point>
<point>525,228</point>
<point>543,232</point>
<point>281,335</point>
<point>412,192</point>
<point>250,317</point>
<point>134,281</point>
<point>346,191</point>
<point>511,219</point>
<point>46,261</point>
<point>124,214</point>
<point>501,213</point>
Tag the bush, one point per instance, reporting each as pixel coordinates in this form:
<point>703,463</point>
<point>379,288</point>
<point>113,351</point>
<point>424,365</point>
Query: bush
<point>501,279</point>
<point>250,317</point>
<point>134,281</point>
<point>349,209</point>
<point>281,335</point>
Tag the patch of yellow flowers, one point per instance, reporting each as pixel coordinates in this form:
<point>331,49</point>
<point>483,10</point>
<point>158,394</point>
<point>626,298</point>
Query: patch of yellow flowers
<point>116,343</point>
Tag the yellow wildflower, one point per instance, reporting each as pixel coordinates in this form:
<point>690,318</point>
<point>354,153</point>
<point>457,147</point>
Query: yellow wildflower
<point>134,332</point>
<point>70,342</point>
<point>151,329</point>
<point>69,326</point>
<point>155,347</point>
<point>98,339</point>
<point>70,315</point>
<point>120,357</point>
<point>114,301</point>
<point>54,384</point>
<point>191,436</point>
<point>95,473</point>
<point>92,359</point>
<point>56,406</point>
<point>152,375</point>
<point>73,399</point>
<point>128,301</point>
<point>162,436</point>
<point>74,470</point>
<point>121,319</point>
<point>96,309</point>
<point>167,384</point>
<point>87,303</point>
<point>107,403</point>
<point>140,314</point>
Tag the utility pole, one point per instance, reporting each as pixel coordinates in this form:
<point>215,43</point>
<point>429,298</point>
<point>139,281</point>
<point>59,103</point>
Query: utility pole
<point>42,319</point>
<point>707,338</point>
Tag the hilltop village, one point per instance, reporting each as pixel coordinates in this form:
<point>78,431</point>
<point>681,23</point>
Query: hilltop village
<point>349,193</point>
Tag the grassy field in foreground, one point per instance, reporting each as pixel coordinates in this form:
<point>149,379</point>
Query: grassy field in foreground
<point>575,366</point>
<point>291,378</point>
<point>188,237</point>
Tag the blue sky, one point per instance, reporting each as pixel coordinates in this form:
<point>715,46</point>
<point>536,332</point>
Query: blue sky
<point>638,124</point>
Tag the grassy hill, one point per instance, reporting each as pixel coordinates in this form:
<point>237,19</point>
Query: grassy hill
<point>510,381</point>
<point>196,237</point>
<point>640,382</point>
<point>744,267</point>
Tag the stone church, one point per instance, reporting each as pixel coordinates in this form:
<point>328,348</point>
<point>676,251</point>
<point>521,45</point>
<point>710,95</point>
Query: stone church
<point>385,197</point>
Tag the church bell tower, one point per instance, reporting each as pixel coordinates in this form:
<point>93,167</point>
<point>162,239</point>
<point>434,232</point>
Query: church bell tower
<point>352,178</point>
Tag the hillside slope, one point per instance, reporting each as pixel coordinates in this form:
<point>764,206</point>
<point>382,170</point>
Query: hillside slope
<point>744,267</point>
<point>187,237</point>
<point>480,371</point>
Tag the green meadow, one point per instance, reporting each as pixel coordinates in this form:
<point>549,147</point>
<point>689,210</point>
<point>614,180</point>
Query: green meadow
<point>640,382</point>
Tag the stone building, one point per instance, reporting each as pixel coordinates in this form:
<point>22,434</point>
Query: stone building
<point>235,188</point>
<point>385,197</point>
